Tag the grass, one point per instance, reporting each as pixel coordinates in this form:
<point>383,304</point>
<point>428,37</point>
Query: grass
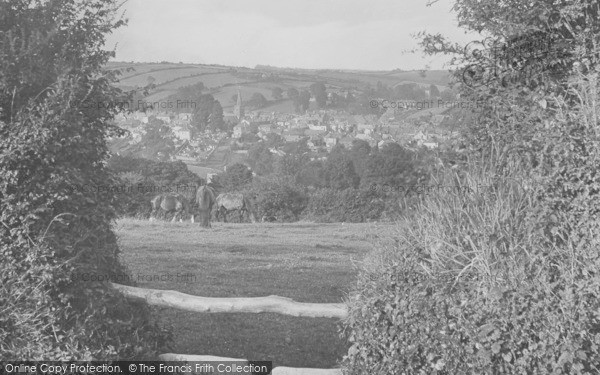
<point>164,75</point>
<point>209,81</point>
<point>303,261</point>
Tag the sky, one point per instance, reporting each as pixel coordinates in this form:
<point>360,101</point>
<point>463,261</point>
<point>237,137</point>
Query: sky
<point>311,34</point>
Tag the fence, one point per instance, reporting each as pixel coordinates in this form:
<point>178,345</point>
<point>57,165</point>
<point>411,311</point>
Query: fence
<point>275,304</point>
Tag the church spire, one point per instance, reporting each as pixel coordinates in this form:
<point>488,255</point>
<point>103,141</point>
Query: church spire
<point>239,107</point>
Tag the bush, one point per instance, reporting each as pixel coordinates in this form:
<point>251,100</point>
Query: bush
<point>470,289</point>
<point>278,198</point>
<point>504,280</point>
<point>140,180</point>
<point>50,233</point>
<point>349,205</point>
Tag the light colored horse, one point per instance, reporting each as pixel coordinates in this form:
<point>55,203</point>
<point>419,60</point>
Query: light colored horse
<point>205,199</point>
<point>169,203</point>
<point>233,201</point>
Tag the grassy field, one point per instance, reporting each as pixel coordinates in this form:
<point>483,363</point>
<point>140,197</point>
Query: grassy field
<point>170,77</point>
<point>304,261</point>
<point>164,75</point>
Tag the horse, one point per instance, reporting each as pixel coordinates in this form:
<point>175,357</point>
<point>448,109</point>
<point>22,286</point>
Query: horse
<point>170,203</point>
<point>233,201</point>
<point>205,199</point>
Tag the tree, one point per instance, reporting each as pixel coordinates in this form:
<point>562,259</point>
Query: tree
<point>157,141</point>
<point>260,159</point>
<point>290,165</point>
<point>294,96</point>
<point>236,177</point>
<point>319,92</point>
<point>208,114</point>
<point>292,93</point>
<point>535,74</point>
<point>278,197</point>
<point>257,100</point>
<point>56,107</point>
<point>359,153</point>
<point>447,95</point>
<point>434,92</point>
<point>303,101</point>
<point>277,93</point>
<point>393,166</point>
<point>339,170</point>
<point>312,174</point>
<point>187,98</point>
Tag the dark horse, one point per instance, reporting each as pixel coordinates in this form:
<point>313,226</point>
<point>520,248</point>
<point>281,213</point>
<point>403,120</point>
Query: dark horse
<point>170,203</point>
<point>205,199</point>
<point>233,201</point>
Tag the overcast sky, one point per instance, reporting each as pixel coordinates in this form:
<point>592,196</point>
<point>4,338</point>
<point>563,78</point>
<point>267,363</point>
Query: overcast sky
<point>342,34</point>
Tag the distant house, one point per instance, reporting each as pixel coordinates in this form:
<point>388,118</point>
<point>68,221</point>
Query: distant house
<point>165,119</point>
<point>135,138</point>
<point>182,132</point>
<point>239,130</point>
<point>364,137</point>
<point>346,142</point>
<point>276,152</point>
<point>265,128</point>
<point>314,134</point>
<point>322,128</point>
<point>420,137</point>
<point>384,142</point>
<point>312,146</point>
<point>365,128</point>
<point>292,137</point>
<point>330,141</point>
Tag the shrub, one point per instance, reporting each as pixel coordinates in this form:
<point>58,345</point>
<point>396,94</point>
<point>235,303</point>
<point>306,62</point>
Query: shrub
<point>278,198</point>
<point>349,205</point>
<point>470,289</point>
<point>504,280</point>
<point>50,234</point>
<point>140,180</point>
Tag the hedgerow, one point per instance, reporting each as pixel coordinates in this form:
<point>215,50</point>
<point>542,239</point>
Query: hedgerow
<point>52,139</point>
<point>504,279</point>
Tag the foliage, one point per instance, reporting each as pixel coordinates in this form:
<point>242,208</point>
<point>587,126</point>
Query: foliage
<point>338,170</point>
<point>236,177</point>
<point>468,289</point>
<point>257,100</point>
<point>260,158</point>
<point>208,114</point>
<point>157,141</point>
<point>319,92</point>
<point>277,197</point>
<point>395,165</point>
<point>349,205</point>
<point>140,180</point>
<point>434,92</point>
<point>186,98</point>
<point>55,112</point>
<point>504,279</point>
<point>410,91</point>
<point>277,93</point>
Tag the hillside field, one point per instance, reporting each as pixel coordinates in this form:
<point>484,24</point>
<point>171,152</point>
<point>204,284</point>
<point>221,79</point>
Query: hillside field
<point>304,261</point>
<point>222,82</point>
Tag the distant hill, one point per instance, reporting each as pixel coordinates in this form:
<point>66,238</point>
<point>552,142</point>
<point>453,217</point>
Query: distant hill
<point>223,81</point>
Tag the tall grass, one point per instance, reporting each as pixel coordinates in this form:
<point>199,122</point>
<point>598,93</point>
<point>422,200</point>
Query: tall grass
<point>498,272</point>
